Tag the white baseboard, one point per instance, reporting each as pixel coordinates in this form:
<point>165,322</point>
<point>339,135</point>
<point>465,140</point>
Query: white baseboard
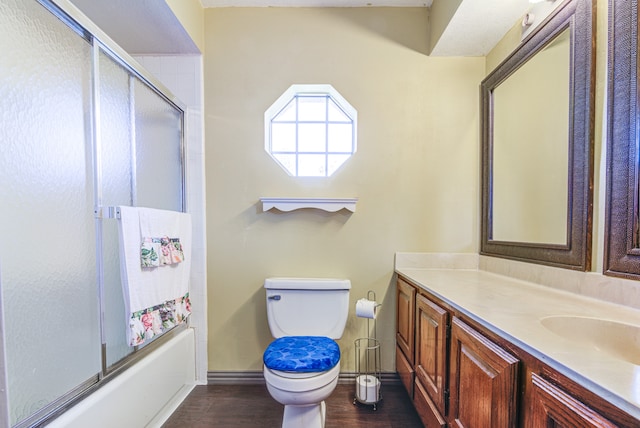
<point>254,377</point>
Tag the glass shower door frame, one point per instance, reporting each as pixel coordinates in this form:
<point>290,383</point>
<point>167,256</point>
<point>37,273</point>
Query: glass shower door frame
<point>100,42</point>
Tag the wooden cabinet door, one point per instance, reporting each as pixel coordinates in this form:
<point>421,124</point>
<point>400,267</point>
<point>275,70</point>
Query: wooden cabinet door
<point>405,371</point>
<point>431,350</point>
<point>405,326</point>
<point>428,412</point>
<point>552,407</point>
<point>483,381</point>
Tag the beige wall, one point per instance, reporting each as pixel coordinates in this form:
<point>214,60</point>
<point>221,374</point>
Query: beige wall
<point>415,172</point>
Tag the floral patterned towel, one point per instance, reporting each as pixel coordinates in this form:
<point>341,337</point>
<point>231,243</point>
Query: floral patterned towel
<point>155,252</point>
<point>149,252</point>
<point>150,322</point>
<point>156,296</point>
<point>175,249</point>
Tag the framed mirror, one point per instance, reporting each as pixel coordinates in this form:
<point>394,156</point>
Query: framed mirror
<point>537,144</point>
<point>622,240</point>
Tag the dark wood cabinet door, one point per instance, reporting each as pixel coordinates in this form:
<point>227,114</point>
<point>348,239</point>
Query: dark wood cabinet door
<point>483,381</point>
<point>552,407</point>
<point>431,350</point>
<point>405,325</point>
<point>428,412</point>
<point>405,371</point>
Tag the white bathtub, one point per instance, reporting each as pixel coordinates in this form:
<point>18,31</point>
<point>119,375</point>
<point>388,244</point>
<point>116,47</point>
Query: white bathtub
<point>144,395</point>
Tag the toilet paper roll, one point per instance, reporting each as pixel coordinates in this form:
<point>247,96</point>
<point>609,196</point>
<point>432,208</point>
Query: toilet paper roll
<point>368,388</point>
<point>366,309</point>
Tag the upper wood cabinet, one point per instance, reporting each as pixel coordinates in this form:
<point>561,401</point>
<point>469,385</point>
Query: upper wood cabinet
<point>484,381</point>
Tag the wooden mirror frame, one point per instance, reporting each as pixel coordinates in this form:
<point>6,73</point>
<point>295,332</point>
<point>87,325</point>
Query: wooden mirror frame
<point>621,252</point>
<point>579,16</point>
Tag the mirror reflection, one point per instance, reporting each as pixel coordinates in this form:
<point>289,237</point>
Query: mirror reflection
<point>537,144</point>
<point>531,150</point>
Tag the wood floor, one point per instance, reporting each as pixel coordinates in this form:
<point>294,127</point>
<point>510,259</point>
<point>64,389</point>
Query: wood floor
<point>235,406</point>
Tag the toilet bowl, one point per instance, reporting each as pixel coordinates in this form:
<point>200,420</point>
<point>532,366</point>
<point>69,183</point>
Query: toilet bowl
<point>302,395</point>
<point>302,366</point>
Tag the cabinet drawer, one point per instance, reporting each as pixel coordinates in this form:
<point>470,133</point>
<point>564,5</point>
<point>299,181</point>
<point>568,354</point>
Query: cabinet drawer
<point>426,409</point>
<point>405,371</point>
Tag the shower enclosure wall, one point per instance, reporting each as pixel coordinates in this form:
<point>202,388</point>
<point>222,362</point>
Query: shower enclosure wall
<point>82,130</point>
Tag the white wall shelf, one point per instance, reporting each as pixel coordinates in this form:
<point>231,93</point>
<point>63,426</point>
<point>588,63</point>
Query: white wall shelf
<point>326,204</point>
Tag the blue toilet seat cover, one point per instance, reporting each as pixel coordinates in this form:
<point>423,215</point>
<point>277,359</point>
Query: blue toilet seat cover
<point>302,354</point>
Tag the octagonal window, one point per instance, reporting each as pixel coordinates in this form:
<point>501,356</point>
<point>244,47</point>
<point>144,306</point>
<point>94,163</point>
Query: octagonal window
<point>310,130</point>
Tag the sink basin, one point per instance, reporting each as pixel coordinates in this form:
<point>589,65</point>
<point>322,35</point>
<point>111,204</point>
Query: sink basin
<point>619,340</point>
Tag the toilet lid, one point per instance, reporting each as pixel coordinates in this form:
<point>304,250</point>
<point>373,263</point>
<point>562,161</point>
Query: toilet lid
<point>302,354</point>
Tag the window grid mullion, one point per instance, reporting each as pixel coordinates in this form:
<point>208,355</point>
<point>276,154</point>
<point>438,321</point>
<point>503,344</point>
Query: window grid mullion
<point>326,136</point>
<point>297,136</point>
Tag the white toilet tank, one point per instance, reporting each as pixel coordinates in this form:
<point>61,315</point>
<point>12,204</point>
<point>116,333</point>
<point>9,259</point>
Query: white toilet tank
<point>307,306</point>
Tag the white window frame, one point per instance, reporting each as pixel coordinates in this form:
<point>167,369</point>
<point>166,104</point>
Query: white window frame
<point>310,90</point>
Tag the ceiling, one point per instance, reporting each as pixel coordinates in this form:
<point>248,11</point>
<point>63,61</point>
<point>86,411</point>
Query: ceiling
<point>477,25</point>
<point>149,26</point>
<point>316,3</point>
<point>140,26</point>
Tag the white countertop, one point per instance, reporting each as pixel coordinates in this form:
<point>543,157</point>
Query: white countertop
<point>513,309</point>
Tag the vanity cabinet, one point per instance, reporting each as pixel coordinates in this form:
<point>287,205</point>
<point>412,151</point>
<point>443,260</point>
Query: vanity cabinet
<point>432,327</point>
<point>553,407</point>
<point>484,380</point>
<point>405,333</point>
<point>449,355</point>
<point>405,298</point>
<point>460,374</point>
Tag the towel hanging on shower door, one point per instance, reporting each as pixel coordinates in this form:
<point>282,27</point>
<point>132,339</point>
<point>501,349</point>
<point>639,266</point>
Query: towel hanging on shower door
<point>156,293</point>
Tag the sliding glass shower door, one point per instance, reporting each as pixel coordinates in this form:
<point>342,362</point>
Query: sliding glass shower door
<point>47,236</point>
<point>140,164</point>
<point>81,131</point>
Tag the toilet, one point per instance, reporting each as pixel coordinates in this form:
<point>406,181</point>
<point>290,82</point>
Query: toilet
<point>302,365</point>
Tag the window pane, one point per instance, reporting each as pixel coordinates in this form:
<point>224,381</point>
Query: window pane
<point>311,166</point>
<point>335,161</point>
<point>312,108</point>
<point>340,138</point>
<point>336,114</point>
<point>287,114</point>
<point>312,137</point>
<point>310,121</point>
<point>283,137</point>
<point>288,162</point>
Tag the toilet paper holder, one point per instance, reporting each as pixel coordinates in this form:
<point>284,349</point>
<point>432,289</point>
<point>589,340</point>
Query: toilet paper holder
<point>367,364</point>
